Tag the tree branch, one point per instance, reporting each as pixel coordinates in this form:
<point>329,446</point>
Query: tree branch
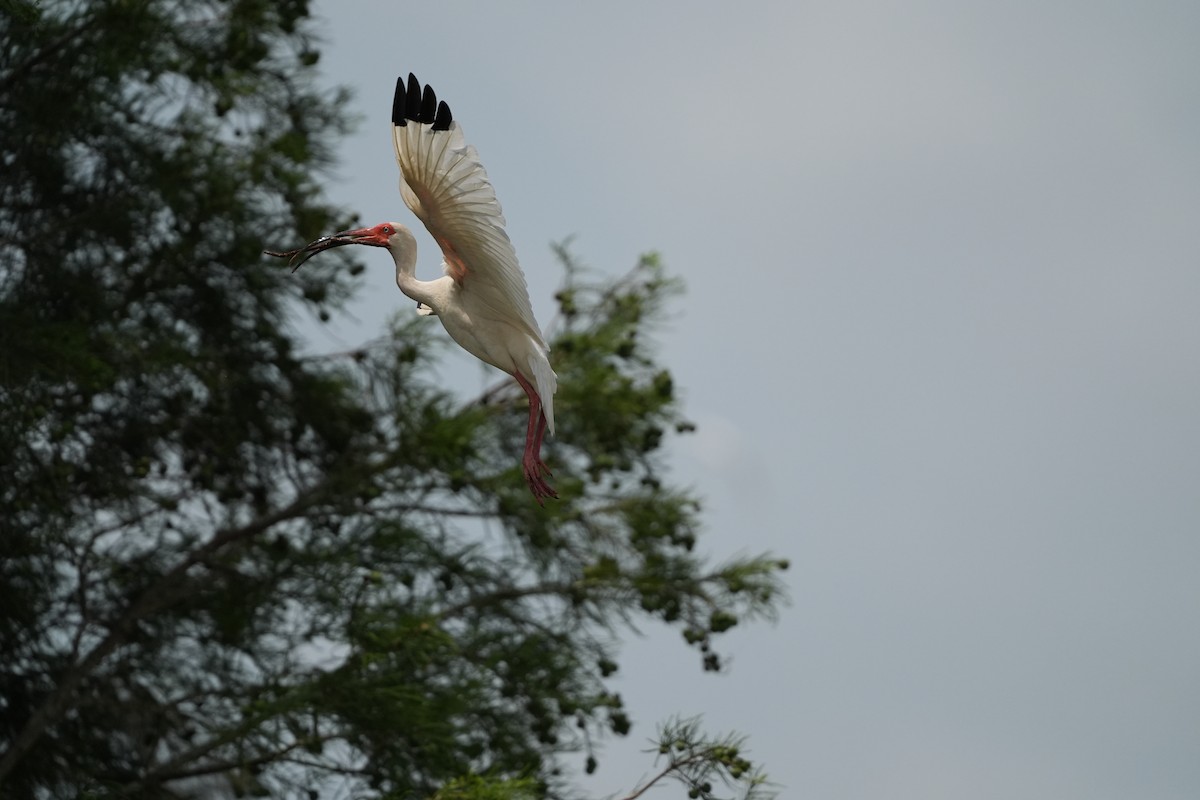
<point>18,72</point>
<point>174,770</point>
<point>672,767</point>
<point>170,587</point>
<point>501,595</point>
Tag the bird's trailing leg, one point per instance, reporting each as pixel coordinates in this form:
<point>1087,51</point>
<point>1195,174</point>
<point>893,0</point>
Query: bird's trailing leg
<point>531,463</point>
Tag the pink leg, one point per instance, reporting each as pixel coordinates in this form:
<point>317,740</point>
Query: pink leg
<point>531,462</point>
<point>537,442</point>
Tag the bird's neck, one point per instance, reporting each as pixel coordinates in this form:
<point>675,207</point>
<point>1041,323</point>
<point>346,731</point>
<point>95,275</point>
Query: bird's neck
<point>406,277</point>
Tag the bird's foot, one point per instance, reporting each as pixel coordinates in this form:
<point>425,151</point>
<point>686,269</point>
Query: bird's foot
<point>535,471</point>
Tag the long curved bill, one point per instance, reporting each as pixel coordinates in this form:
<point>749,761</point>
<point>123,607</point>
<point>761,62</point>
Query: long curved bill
<point>301,254</point>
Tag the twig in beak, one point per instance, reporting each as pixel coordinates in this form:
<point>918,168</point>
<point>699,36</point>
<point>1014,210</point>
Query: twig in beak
<point>309,250</point>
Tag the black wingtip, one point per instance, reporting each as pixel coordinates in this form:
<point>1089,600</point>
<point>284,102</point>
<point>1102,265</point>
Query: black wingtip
<point>412,103</point>
<point>442,121</point>
<point>428,105</point>
<point>398,104</point>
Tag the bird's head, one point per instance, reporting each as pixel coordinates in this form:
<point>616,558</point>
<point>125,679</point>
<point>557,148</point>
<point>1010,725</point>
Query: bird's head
<point>382,235</point>
<point>385,234</point>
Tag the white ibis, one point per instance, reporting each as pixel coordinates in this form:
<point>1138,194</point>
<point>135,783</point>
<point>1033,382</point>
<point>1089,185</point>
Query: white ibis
<point>482,300</point>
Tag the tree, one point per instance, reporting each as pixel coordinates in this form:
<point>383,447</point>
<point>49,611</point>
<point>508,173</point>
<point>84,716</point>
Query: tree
<point>226,566</point>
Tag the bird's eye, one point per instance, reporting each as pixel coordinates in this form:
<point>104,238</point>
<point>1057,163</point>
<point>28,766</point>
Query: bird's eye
<point>388,230</point>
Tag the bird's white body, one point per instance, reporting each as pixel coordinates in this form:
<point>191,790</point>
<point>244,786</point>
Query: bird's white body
<point>471,319</point>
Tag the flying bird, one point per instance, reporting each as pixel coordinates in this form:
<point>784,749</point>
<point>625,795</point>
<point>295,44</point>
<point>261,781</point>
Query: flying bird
<point>482,300</point>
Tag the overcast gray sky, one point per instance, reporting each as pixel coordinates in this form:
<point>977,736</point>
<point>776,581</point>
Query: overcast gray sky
<point>940,337</point>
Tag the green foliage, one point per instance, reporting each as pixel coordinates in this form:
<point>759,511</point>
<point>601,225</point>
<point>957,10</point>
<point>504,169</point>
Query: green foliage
<point>226,567</point>
<point>474,787</point>
<point>689,757</point>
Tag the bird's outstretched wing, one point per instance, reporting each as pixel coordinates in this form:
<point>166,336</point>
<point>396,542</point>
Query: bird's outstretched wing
<point>444,184</point>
